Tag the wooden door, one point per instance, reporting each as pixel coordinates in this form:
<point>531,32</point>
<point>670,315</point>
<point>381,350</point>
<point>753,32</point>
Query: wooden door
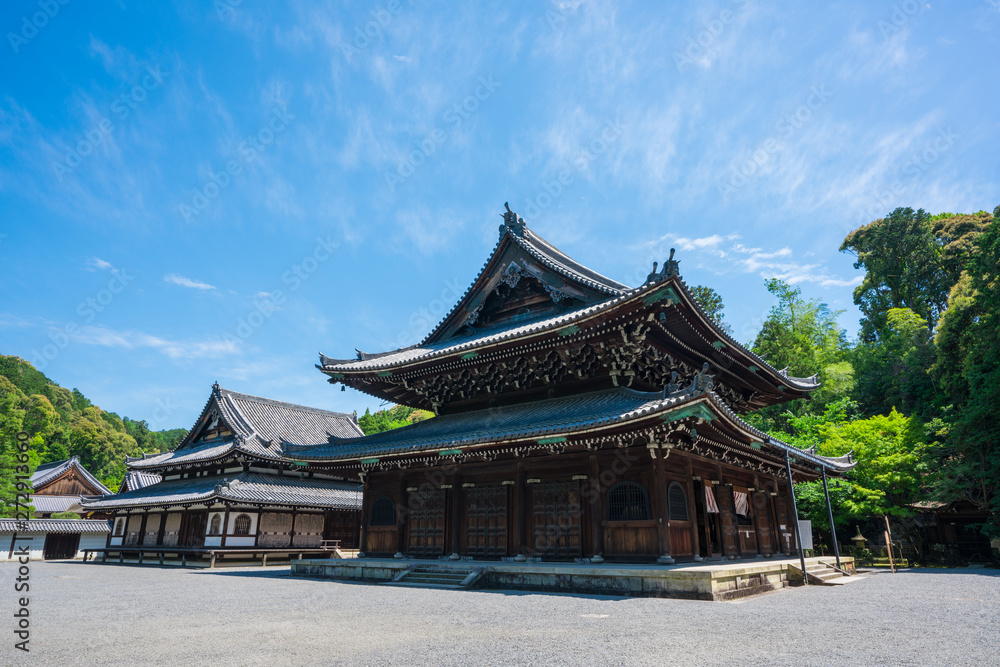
<point>425,524</point>
<point>344,526</point>
<point>785,527</point>
<point>486,521</point>
<point>762,514</point>
<point>61,545</point>
<point>727,517</point>
<point>556,520</point>
<point>193,529</point>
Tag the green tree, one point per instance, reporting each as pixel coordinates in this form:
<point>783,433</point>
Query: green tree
<point>711,302</point>
<point>892,372</point>
<point>968,368</point>
<point>903,269</point>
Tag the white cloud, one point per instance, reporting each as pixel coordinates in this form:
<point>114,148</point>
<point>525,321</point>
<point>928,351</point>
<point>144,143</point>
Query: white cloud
<point>97,263</point>
<point>131,340</point>
<point>186,282</point>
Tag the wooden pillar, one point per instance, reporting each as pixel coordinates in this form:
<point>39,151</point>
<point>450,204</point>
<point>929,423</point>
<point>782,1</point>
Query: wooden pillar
<point>260,516</point>
<point>142,531</point>
<point>225,525</point>
<point>366,506</point>
<point>402,514</point>
<point>163,528</point>
<point>693,511</point>
<point>518,505</point>
<point>107,543</point>
<point>291,534</point>
<point>457,512</point>
<point>660,503</point>
<point>596,509</point>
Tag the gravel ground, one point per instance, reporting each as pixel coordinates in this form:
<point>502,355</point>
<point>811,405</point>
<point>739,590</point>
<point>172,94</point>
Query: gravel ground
<point>87,614</point>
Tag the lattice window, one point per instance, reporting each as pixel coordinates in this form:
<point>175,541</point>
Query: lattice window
<point>383,512</point>
<point>677,501</point>
<point>215,528</point>
<point>242,525</point>
<point>119,527</point>
<point>628,501</point>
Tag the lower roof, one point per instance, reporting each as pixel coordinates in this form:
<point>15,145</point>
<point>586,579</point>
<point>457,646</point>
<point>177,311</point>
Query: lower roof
<point>50,504</point>
<point>55,526</point>
<point>549,419</point>
<point>248,488</point>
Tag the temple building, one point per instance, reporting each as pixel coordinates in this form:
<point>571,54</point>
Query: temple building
<point>226,488</point>
<point>59,487</point>
<point>577,419</point>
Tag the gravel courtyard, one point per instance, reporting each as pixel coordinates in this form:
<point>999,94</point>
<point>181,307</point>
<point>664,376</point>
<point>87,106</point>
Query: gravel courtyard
<point>87,614</point>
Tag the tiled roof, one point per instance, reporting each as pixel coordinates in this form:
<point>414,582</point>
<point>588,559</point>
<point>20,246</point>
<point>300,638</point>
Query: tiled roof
<point>49,504</point>
<point>516,231</point>
<point>537,420</point>
<point>136,479</point>
<point>456,345</point>
<point>55,526</point>
<point>260,427</point>
<point>49,471</point>
<point>252,488</point>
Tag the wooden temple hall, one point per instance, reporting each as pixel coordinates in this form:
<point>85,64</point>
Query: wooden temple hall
<point>578,419</point>
<point>226,493</point>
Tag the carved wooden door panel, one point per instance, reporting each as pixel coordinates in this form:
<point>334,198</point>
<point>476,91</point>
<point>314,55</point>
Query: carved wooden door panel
<point>762,514</point>
<point>556,520</point>
<point>486,521</point>
<point>787,537</point>
<point>425,524</point>
<point>727,516</point>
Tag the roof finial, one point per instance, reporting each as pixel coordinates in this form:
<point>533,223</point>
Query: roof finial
<point>511,221</point>
<point>671,267</point>
<point>216,388</point>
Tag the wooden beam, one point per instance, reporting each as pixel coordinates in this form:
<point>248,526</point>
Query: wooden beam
<point>518,513</point>
<point>366,507</point>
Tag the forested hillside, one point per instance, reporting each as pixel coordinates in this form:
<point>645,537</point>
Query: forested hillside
<point>63,423</point>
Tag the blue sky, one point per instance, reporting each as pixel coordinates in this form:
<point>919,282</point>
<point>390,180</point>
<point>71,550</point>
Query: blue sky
<point>199,191</point>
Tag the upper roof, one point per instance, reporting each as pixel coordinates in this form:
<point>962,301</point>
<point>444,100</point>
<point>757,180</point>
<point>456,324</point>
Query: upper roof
<point>249,488</point>
<point>233,423</point>
<point>49,472</point>
<point>551,420</point>
<point>663,304</point>
<point>137,479</point>
<point>55,526</point>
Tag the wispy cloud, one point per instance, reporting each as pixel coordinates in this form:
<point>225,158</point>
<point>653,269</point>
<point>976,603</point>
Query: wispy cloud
<point>186,282</point>
<point>780,263</point>
<point>132,340</point>
<point>96,263</point>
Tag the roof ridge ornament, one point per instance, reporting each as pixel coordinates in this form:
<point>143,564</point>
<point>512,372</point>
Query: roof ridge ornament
<point>511,221</point>
<point>671,268</point>
<point>216,389</point>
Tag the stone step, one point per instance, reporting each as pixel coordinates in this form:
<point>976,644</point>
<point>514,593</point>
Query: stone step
<point>449,587</point>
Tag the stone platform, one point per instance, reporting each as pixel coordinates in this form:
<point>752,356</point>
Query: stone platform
<point>708,580</point>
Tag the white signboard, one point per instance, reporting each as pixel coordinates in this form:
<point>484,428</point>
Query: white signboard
<point>806,533</point>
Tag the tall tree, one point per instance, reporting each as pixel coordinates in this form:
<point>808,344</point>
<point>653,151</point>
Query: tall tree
<point>903,269</point>
<point>968,368</point>
<point>711,302</point>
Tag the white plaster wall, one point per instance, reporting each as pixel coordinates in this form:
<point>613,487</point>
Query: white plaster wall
<point>36,544</point>
<point>116,541</point>
<point>240,541</point>
<point>213,541</point>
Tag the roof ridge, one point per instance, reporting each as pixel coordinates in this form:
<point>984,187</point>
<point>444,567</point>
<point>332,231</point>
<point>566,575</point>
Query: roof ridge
<point>296,406</point>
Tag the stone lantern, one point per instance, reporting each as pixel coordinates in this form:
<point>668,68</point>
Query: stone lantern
<point>859,539</point>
